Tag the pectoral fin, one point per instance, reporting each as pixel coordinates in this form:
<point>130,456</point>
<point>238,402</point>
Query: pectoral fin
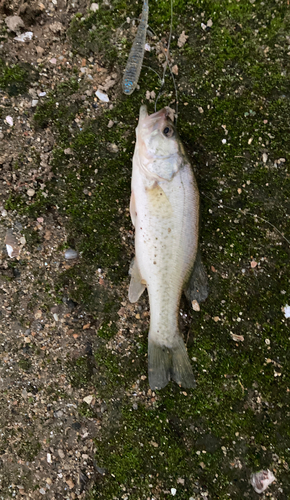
<point>137,285</point>
<point>197,285</point>
<point>159,204</point>
<point>133,212</point>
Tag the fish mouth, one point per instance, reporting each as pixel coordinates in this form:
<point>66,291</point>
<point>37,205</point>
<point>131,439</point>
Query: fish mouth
<point>165,113</point>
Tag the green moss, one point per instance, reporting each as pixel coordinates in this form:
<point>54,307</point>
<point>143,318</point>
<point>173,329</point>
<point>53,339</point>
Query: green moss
<point>24,364</point>
<point>56,110</point>
<point>107,330</point>
<point>28,449</point>
<point>86,411</point>
<point>17,78</point>
<point>80,371</point>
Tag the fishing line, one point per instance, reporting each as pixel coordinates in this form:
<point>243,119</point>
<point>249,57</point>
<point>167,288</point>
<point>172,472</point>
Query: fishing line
<point>247,213</point>
<point>166,64</point>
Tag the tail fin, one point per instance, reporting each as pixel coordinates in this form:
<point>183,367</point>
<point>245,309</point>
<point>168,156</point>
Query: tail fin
<point>166,363</point>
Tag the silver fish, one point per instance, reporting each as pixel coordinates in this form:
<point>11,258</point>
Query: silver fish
<point>135,59</point>
<point>164,209</point>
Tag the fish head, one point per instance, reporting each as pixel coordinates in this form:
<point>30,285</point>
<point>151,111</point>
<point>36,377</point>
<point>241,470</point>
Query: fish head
<point>161,152</point>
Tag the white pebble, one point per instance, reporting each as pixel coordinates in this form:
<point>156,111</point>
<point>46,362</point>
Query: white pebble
<point>267,341</point>
<point>42,94</point>
<point>9,249</point>
<point>48,458</point>
<point>55,317</point>
<point>70,254</point>
<point>102,96</point>
<point>88,399</point>
<point>94,7</point>
<point>286,311</point>
<point>265,157</point>
<point>34,103</point>
<point>30,192</point>
<point>195,305</point>
<point>25,37</point>
<point>224,141</point>
<point>9,120</point>
<point>173,491</point>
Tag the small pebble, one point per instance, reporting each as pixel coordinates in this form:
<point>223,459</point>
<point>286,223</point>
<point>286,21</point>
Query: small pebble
<point>60,453</point>
<point>9,120</point>
<point>102,96</point>
<point>30,192</point>
<point>195,305</point>
<point>286,311</point>
<point>14,23</point>
<point>34,103</point>
<point>25,37</point>
<point>88,399</point>
<point>70,254</point>
<point>173,492</point>
<point>94,7</point>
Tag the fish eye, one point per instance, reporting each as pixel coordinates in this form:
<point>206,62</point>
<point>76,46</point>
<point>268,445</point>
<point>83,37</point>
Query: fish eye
<point>168,131</point>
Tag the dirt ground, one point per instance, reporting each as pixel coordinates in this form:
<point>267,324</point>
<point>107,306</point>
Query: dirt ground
<point>78,419</point>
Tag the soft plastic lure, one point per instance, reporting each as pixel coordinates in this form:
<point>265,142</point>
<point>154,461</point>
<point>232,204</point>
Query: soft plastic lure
<point>135,59</point>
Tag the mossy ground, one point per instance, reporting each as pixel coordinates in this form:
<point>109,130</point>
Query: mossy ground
<point>16,79</point>
<point>234,121</point>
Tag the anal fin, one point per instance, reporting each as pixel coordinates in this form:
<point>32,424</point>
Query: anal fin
<point>137,285</point>
<point>197,285</point>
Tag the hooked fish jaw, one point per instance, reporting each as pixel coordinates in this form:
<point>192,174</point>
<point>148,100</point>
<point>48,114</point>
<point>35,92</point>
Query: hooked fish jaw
<point>158,146</point>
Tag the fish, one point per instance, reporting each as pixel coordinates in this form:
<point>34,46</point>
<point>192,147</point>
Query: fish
<point>164,209</point>
<point>135,59</point>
